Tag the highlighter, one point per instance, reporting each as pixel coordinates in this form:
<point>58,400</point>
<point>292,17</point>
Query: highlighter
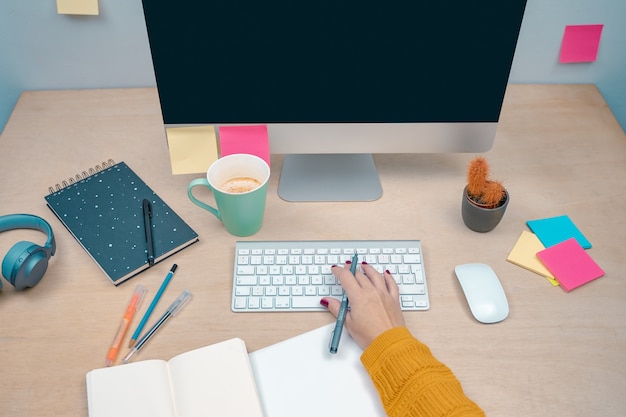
<point>133,306</point>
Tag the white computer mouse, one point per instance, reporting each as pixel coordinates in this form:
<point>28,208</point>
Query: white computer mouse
<point>483,292</point>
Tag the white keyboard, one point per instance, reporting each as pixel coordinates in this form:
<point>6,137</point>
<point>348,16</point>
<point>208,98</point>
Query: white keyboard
<point>295,275</point>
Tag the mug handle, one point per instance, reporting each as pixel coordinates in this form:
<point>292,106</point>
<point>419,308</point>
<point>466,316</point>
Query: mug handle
<point>204,182</point>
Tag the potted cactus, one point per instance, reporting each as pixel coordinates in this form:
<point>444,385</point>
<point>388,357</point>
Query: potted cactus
<point>484,199</point>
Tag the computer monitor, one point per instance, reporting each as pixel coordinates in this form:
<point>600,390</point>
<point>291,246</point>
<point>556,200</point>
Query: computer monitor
<point>337,80</point>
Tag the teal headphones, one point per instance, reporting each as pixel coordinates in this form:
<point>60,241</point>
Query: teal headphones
<point>25,263</point>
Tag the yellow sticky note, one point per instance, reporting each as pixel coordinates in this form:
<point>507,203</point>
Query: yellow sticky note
<point>524,254</point>
<point>192,149</point>
<point>89,7</point>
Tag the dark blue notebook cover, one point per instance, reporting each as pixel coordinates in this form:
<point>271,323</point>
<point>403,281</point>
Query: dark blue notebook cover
<point>104,212</point>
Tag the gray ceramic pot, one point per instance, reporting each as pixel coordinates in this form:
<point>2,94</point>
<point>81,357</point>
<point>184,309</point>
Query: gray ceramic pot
<point>481,219</point>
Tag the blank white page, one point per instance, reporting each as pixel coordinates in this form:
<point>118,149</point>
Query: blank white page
<point>139,389</point>
<point>215,380</point>
<point>299,377</point>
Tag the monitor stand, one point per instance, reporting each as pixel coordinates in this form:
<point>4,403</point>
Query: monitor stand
<point>329,177</point>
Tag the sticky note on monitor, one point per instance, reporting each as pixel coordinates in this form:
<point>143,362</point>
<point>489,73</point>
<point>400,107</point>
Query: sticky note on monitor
<point>192,149</point>
<point>553,230</point>
<point>580,43</point>
<point>570,264</point>
<point>253,140</point>
<point>81,7</point>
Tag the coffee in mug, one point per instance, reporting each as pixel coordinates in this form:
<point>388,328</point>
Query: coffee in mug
<point>240,185</point>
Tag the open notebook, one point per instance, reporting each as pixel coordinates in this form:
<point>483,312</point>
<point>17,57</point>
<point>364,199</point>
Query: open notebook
<point>211,381</point>
<point>296,377</point>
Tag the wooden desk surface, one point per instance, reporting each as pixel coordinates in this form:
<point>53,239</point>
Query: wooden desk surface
<point>559,151</point>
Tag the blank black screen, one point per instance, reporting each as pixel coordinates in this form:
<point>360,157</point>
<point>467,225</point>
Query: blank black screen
<point>229,61</point>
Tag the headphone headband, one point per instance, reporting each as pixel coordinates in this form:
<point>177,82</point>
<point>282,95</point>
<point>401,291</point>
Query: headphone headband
<point>28,221</point>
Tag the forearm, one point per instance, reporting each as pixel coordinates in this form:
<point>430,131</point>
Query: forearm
<point>411,381</point>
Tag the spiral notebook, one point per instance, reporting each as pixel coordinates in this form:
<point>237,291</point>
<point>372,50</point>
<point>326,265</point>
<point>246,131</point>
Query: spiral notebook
<point>102,209</point>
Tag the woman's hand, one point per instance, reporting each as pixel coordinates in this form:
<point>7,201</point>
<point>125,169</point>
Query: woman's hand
<point>374,302</point>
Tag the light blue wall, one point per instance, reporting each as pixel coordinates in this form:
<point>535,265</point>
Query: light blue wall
<point>538,47</point>
<point>41,50</point>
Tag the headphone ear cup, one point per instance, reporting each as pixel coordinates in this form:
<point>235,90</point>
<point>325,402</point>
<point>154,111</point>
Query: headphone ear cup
<point>25,264</point>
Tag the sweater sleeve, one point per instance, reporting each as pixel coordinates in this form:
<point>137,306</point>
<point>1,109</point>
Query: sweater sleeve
<point>411,381</point>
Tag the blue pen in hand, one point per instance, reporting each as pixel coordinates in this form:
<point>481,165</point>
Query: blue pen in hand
<point>153,304</point>
<point>343,310</point>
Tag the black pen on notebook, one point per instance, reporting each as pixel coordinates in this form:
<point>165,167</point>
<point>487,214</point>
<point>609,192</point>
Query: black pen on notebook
<point>343,310</point>
<point>147,222</point>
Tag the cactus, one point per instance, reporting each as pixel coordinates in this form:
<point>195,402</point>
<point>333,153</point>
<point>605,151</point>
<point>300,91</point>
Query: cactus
<point>482,190</point>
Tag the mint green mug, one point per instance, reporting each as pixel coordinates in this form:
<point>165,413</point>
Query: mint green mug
<point>239,184</point>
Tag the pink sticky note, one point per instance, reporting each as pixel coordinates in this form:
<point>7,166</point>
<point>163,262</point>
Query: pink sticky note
<point>570,264</point>
<point>252,140</point>
<point>580,43</point>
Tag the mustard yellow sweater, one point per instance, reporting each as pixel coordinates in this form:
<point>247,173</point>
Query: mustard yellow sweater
<point>411,382</point>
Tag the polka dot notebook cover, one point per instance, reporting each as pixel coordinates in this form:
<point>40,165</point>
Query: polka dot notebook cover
<point>103,210</point>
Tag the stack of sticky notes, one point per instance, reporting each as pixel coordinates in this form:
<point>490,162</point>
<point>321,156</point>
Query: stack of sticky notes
<point>556,250</point>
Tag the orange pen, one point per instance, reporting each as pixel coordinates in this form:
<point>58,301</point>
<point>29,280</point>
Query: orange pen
<point>132,308</point>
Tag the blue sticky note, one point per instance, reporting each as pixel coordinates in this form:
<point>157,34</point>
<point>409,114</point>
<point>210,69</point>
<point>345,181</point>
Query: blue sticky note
<point>553,230</point>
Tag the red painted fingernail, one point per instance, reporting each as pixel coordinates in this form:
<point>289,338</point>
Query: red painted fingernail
<point>387,271</point>
<point>348,262</point>
<point>334,266</point>
<point>324,302</point>
<point>364,263</point>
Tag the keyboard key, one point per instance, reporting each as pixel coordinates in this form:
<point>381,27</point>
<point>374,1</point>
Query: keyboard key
<point>282,302</point>
<point>245,270</point>
<point>242,291</point>
<point>240,302</point>
<point>412,289</point>
<point>246,280</point>
<point>412,259</point>
<point>306,302</point>
<point>335,290</point>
